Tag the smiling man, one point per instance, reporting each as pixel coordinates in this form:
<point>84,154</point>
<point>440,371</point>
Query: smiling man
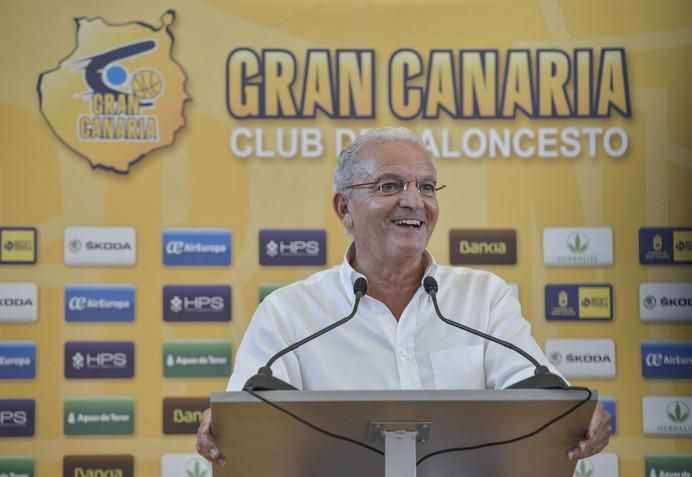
<point>385,195</point>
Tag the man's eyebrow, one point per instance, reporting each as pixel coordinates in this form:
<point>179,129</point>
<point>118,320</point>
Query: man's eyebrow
<point>391,175</point>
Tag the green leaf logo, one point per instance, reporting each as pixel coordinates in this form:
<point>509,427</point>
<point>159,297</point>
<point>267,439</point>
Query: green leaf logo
<point>196,470</point>
<point>577,242</point>
<point>584,469</point>
<point>678,412</point>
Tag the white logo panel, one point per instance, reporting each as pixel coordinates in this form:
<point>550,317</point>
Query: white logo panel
<point>578,246</point>
<point>581,358</point>
<point>18,302</point>
<point>599,465</point>
<point>110,246</point>
<point>667,415</point>
<point>184,465</point>
<point>665,301</point>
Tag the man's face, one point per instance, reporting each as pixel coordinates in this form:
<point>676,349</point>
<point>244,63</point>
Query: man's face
<point>377,222</point>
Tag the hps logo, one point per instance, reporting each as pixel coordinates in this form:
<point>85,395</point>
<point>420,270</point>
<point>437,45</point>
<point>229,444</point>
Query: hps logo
<point>197,303</point>
<point>293,247</point>
<point>119,95</point>
<point>99,359</point>
<point>17,417</point>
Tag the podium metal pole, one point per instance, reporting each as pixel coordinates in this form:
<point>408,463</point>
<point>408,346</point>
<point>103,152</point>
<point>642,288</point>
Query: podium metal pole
<point>400,453</point>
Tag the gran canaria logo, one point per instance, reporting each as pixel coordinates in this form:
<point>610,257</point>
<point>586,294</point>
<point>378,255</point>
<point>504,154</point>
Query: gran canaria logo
<point>119,95</point>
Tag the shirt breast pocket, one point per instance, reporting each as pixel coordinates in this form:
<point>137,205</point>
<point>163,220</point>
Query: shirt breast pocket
<point>460,367</point>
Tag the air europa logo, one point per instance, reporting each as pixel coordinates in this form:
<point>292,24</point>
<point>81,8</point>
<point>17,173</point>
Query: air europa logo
<point>119,95</point>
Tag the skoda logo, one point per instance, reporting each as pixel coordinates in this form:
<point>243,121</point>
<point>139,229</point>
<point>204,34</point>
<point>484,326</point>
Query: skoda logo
<point>75,246</point>
<point>577,242</point>
<point>555,358</point>
<point>650,302</point>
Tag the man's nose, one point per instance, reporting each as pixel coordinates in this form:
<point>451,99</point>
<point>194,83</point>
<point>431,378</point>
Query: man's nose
<point>411,197</point>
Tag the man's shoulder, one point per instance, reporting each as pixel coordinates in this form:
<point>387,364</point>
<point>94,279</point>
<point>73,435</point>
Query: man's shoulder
<point>315,284</point>
<point>446,272</point>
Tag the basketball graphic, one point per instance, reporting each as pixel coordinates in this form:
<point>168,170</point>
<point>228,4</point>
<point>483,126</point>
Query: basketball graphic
<point>146,84</point>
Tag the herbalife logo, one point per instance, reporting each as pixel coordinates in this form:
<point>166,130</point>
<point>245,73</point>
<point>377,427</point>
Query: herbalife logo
<point>75,246</point>
<point>176,304</point>
<point>577,242</point>
<point>195,469</point>
<point>78,361</point>
<point>584,469</point>
<point>678,412</point>
<point>272,248</point>
<point>650,302</point>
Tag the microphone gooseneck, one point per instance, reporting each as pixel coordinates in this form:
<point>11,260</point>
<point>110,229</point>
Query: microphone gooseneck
<point>542,378</point>
<point>264,379</point>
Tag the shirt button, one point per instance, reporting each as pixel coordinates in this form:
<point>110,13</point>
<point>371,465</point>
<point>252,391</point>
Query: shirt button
<point>403,353</point>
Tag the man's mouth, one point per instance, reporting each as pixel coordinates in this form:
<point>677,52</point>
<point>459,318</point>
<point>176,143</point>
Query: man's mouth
<point>408,222</point>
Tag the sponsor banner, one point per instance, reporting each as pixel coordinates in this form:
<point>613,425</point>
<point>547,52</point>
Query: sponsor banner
<point>183,415</point>
<point>579,302</point>
<point>17,360</point>
<point>665,301</point>
<point>577,246</point>
<point>266,288</point>
<point>18,245</point>
<point>665,245</point>
<point>184,465</point>
<point>17,466</point>
<point>667,415</point>
<point>197,303</point>
<point>18,302</point>
<point>667,359</point>
<point>610,406</point>
<point>599,465</point>
<point>99,303</point>
<point>482,246</point>
<point>582,358</point>
<point>98,466</point>
<point>109,246</point>
<point>196,359</point>
<point>17,417</point>
<point>196,247</point>
<point>292,247</point>
<point>99,359</point>
<point>98,416</point>
<point>670,465</point>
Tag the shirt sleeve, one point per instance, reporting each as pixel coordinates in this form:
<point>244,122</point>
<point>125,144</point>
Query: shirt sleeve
<point>268,333</point>
<point>504,366</point>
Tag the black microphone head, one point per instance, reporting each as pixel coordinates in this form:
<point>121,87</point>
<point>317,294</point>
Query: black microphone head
<point>360,286</point>
<point>430,285</point>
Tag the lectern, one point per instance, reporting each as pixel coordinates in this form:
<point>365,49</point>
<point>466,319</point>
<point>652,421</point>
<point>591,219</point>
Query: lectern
<point>261,441</point>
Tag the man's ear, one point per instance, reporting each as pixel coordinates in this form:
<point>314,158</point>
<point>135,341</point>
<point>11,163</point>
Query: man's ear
<point>342,209</point>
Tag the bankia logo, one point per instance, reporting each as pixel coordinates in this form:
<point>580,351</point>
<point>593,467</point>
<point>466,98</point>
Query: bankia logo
<point>99,416</point>
<point>99,303</point>
<point>99,359</point>
<point>109,246</point>
<point>18,245</point>
<point>196,303</point>
<point>119,95</point>
<point>577,246</point>
<point>665,245</point>
<point>483,246</point>
<point>183,415</point>
<point>667,415</point>
<point>98,466</point>
<point>196,247</point>
<point>18,302</point>
<point>579,302</point>
<point>582,358</point>
<point>184,465</point>
<point>292,247</point>
<point>17,360</point>
<point>665,301</point>
<point>16,466</point>
<point>17,417</point>
<point>667,359</point>
<point>191,359</point>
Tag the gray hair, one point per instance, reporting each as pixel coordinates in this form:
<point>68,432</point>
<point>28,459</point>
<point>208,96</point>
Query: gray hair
<point>344,172</point>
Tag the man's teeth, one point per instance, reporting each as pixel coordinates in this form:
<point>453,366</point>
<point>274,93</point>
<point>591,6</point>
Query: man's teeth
<point>416,223</point>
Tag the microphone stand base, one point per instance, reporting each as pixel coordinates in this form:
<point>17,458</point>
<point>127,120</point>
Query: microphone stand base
<point>540,381</point>
<point>263,382</point>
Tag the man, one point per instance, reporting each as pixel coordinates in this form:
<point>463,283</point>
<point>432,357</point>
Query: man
<point>386,196</point>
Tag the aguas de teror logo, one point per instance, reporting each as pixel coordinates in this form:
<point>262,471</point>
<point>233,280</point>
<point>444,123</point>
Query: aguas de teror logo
<point>119,95</point>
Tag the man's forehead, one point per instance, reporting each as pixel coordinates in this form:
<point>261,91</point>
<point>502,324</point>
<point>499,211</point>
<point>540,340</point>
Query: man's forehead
<point>396,158</point>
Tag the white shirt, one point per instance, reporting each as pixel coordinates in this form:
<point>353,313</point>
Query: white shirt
<point>375,351</point>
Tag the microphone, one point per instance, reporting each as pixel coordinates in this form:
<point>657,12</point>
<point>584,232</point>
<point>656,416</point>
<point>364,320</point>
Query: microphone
<point>542,378</point>
<point>264,379</point>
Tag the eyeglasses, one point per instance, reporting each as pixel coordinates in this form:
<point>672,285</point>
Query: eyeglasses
<point>388,187</point>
